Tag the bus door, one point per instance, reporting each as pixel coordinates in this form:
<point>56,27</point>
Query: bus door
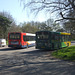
<point>55,40</point>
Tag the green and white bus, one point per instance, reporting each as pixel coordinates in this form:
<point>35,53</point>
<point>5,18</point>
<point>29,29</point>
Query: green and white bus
<point>52,40</point>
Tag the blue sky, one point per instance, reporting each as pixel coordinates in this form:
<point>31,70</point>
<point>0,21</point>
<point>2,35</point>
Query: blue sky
<point>15,8</point>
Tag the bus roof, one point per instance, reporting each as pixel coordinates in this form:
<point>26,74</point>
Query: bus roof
<point>62,33</point>
<point>29,34</point>
<point>65,33</point>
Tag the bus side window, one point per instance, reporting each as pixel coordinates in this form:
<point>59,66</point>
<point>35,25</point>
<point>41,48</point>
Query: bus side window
<point>24,38</point>
<point>64,37</point>
<point>33,38</point>
<point>56,37</point>
<point>27,38</point>
<point>69,37</point>
<point>53,37</point>
<point>30,38</point>
<point>60,38</point>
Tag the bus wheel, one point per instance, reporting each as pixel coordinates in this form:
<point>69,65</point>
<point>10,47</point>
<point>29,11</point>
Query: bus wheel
<point>67,44</point>
<point>27,45</point>
<point>53,46</point>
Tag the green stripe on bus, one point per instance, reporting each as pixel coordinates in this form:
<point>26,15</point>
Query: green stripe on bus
<point>63,44</point>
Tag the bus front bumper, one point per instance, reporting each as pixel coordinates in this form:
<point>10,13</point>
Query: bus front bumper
<point>17,46</point>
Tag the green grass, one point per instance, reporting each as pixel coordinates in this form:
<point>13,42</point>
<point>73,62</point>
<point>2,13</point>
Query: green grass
<point>6,42</point>
<point>65,53</point>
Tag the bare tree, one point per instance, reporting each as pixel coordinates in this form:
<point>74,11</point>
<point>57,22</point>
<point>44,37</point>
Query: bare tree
<point>62,7</point>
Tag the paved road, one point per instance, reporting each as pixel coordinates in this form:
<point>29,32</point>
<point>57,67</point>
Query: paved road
<point>31,61</point>
<point>72,43</point>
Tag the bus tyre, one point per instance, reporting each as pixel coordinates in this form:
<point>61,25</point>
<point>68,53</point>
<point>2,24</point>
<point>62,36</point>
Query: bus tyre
<point>58,46</point>
<point>53,46</point>
<point>67,44</point>
<point>27,45</point>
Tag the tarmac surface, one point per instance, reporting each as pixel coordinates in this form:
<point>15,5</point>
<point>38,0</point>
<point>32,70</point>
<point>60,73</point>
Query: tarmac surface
<point>31,61</point>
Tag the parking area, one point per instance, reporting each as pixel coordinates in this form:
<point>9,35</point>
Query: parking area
<point>31,61</point>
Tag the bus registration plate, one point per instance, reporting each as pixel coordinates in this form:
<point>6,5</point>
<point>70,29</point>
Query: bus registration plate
<point>14,42</point>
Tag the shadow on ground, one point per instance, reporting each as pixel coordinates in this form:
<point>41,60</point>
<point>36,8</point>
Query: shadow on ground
<point>36,62</point>
<point>9,49</point>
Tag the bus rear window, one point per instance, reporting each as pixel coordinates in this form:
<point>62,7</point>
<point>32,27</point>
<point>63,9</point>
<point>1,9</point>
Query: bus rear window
<point>14,36</point>
<point>42,35</point>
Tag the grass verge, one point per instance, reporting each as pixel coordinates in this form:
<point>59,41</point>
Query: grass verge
<point>6,42</point>
<point>65,53</point>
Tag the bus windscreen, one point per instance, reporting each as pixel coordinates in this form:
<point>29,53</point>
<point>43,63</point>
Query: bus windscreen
<point>14,36</point>
<point>43,35</point>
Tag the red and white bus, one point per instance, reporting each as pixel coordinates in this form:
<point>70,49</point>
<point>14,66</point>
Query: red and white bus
<point>21,40</point>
